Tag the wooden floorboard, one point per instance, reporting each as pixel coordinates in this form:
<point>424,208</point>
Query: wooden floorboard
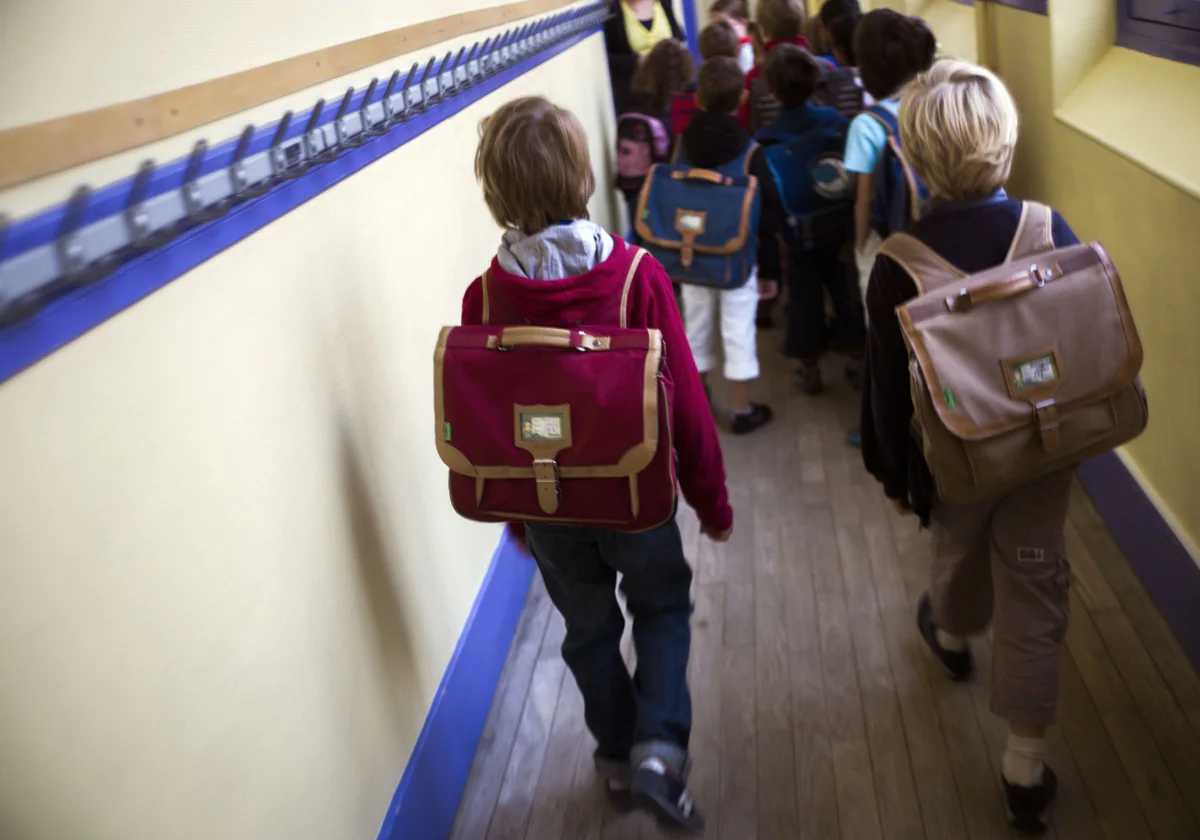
<point>817,711</point>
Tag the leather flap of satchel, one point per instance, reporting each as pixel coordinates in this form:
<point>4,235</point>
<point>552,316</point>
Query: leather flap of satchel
<point>1000,349</point>
<point>545,431</point>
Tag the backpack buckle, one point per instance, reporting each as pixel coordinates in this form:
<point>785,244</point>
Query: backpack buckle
<point>549,489</point>
<point>1038,279</point>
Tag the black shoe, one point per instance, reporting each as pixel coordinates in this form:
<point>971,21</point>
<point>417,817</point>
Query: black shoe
<point>666,796</point>
<point>959,665</point>
<point>808,378</point>
<point>1028,808</point>
<point>758,416</point>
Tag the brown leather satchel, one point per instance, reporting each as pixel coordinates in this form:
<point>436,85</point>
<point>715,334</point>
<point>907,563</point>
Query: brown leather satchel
<point>1022,369</point>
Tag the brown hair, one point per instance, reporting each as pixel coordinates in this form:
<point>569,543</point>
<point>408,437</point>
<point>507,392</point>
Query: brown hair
<point>668,69</point>
<point>781,19</point>
<point>718,39</point>
<point>534,165</point>
<point>732,8</point>
<point>791,75</point>
<point>720,86</point>
<point>891,48</point>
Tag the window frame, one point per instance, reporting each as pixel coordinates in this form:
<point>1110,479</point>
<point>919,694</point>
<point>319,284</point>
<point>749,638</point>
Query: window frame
<point>1037,7</point>
<point>1174,43</point>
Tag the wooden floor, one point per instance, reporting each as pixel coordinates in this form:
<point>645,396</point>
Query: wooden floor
<point>817,712</point>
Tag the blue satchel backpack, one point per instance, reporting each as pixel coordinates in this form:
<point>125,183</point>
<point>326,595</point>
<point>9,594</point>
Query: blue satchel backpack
<point>898,190</point>
<point>817,192</point>
<point>702,224</point>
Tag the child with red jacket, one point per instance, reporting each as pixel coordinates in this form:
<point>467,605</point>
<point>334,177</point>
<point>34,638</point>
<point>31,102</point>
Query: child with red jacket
<point>556,268</point>
<point>780,22</point>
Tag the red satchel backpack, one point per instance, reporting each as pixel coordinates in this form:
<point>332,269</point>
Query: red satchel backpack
<point>547,424</point>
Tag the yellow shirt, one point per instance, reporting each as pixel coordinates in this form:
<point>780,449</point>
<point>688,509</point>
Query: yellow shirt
<point>642,40</point>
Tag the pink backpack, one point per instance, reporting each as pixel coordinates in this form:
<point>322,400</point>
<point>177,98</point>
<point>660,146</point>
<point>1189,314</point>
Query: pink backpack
<point>642,141</point>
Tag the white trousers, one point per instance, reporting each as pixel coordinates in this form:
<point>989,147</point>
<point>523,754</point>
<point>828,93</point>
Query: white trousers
<point>738,311</point>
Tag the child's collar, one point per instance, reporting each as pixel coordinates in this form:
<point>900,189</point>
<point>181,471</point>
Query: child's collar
<point>798,41</point>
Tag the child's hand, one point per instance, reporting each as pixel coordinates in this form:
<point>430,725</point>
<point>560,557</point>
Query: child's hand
<point>717,536</point>
<point>768,289</point>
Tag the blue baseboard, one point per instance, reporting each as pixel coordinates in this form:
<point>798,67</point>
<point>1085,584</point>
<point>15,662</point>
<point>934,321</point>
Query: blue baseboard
<point>1164,565</point>
<point>427,799</point>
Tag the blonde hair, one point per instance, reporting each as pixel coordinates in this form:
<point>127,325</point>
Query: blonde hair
<point>534,166</point>
<point>958,126</point>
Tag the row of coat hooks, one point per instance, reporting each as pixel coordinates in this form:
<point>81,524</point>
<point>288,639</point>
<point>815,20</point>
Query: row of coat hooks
<point>162,202</point>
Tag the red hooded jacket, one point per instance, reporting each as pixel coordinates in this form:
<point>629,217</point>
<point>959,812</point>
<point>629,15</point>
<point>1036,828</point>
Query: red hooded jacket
<point>568,302</point>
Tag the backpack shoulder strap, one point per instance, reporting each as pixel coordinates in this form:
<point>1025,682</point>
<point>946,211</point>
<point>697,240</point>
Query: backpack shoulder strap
<point>678,156</point>
<point>748,156</point>
<point>638,253</point>
<point>885,118</point>
<point>925,266</point>
<point>1034,232</point>
<point>487,309</point>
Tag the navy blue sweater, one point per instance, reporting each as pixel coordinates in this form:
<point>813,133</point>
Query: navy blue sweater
<point>972,236</point>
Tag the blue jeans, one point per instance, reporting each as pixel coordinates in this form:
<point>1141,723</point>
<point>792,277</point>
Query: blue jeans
<point>650,713</point>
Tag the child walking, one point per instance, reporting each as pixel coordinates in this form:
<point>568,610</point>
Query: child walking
<point>644,133</point>
<point>890,49</point>
<point>715,139</point>
<point>556,268</point>
<point>733,12</point>
<point>815,266</point>
<point>1001,560</point>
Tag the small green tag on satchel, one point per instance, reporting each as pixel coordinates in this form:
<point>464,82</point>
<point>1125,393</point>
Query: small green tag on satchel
<point>446,431</point>
<point>947,397</point>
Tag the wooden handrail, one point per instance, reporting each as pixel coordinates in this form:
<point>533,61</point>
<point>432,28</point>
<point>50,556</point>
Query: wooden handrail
<point>31,151</point>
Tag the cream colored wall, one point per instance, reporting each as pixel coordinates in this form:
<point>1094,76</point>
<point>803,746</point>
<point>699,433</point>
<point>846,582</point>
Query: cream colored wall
<point>232,580</point>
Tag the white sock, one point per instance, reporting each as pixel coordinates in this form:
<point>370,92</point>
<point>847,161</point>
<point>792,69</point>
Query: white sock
<point>1023,764</point>
<point>957,644</point>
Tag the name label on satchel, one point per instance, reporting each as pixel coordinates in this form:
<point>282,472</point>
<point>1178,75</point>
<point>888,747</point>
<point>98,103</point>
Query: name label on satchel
<point>690,222</point>
<point>541,427</point>
<point>1033,373</point>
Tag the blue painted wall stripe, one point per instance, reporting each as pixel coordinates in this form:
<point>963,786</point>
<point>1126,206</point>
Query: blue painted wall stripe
<point>691,27</point>
<point>1164,565</point>
<point>65,319</point>
<point>426,801</point>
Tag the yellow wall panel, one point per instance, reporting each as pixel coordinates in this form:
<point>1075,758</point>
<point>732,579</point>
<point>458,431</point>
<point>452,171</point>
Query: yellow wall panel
<point>233,579</point>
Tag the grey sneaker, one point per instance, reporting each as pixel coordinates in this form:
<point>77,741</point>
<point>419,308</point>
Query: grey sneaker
<point>666,796</point>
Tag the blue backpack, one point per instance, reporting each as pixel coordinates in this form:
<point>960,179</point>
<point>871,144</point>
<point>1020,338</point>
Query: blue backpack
<point>817,192</point>
<point>702,224</point>
<point>898,191</point>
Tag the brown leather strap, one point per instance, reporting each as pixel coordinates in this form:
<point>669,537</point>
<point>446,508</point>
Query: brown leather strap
<point>549,491</point>
<point>750,155</point>
<point>924,265</point>
<point>633,267</point>
<point>1047,417</point>
<point>700,175</point>
<point>487,309</point>
<point>1034,234</point>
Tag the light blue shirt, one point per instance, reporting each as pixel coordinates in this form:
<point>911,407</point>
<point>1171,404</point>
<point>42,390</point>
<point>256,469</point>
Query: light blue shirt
<point>866,139</point>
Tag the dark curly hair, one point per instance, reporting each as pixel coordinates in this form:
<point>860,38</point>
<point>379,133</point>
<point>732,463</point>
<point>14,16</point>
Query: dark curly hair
<point>891,48</point>
<point>668,69</point>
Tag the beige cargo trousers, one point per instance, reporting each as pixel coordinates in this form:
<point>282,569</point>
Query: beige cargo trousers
<point>1003,561</point>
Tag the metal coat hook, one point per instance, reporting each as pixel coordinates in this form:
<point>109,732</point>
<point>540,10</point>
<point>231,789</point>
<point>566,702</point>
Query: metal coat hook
<point>314,138</point>
<point>240,180</point>
<point>485,57</point>
<point>193,195</point>
<point>390,115</point>
<point>414,102</point>
<point>445,77</point>
<point>431,88</point>
<point>71,255</point>
<point>286,163</point>
<point>461,79</point>
<point>341,127</point>
<point>137,220</point>
<point>370,130</point>
<point>473,73</point>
